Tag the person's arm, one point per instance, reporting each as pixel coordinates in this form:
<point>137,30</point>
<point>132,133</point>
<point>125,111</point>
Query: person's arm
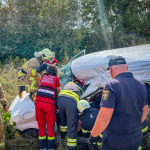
<point>145,111</point>
<point>58,89</point>
<point>102,121</point>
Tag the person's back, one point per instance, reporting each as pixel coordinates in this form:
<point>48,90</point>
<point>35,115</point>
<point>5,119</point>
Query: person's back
<point>126,120</point>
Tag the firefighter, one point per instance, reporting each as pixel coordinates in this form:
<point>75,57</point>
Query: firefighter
<point>45,106</point>
<point>68,113</point>
<point>88,119</point>
<point>30,76</point>
<point>3,102</point>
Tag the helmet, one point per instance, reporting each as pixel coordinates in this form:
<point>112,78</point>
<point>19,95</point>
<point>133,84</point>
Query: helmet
<point>82,105</point>
<point>79,80</point>
<point>46,54</point>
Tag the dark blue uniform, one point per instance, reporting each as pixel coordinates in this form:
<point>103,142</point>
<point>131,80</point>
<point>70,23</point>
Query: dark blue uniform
<point>127,96</point>
<point>87,123</point>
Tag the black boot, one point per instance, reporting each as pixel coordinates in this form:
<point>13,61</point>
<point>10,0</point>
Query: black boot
<point>21,90</point>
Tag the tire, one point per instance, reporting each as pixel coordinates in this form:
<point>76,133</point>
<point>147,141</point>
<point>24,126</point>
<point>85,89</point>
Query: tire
<point>30,133</point>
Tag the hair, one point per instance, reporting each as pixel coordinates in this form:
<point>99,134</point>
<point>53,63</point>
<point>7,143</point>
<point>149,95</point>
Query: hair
<point>52,70</point>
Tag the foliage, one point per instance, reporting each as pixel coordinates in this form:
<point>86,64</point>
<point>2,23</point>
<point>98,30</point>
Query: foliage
<point>68,26</point>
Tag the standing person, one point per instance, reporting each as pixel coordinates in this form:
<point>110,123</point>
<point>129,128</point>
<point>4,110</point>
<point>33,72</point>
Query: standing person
<point>53,62</point>
<point>88,119</point>
<point>29,74</point>
<point>45,106</point>
<point>124,107</point>
<point>3,102</point>
<point>68,113</point>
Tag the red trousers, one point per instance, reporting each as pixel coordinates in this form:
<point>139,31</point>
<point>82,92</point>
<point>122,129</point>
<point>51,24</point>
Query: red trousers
<point>45,114</point>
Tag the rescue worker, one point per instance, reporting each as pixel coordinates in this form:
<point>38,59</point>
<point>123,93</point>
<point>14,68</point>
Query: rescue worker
<point>30,76</point>
<point>45,106</point>
<point>3,102</point>
<point>124,107</point>
<point>68,113</point>
<point>88,119</point>
<point>54,62</point>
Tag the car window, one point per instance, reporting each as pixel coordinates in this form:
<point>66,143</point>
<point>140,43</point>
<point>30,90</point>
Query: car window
<point>65,74</point>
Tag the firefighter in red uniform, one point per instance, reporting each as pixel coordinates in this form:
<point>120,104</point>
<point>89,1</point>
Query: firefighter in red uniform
<point>45,106</point>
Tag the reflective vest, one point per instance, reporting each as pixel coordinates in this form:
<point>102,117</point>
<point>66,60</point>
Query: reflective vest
<point>71,93</point>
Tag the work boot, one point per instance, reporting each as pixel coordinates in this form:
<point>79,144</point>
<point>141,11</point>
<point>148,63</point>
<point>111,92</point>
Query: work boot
<point>32,96</point>
<point>21,90</point>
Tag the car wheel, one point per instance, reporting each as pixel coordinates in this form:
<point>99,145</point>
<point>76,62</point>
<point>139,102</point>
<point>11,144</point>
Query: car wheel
<point>30,133</point>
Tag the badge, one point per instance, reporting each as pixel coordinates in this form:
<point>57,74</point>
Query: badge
<point>105,95</point>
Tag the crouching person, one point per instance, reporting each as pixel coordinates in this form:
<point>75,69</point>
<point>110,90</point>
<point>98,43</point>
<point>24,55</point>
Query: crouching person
<point>88,119</point>
<point>45,107</point>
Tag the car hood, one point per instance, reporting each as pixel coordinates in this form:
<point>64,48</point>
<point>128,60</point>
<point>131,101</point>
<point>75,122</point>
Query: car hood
<point>92,68</point>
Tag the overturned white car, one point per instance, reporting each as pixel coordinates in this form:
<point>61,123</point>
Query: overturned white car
<point>92,69</point>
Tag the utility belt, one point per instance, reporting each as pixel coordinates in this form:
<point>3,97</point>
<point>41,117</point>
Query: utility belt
<point>71,94</point>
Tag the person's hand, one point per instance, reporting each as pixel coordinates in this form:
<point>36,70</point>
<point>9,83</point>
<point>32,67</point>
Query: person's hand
<point>42,67</point>
<point>5,108</point>
<point>94,140</point>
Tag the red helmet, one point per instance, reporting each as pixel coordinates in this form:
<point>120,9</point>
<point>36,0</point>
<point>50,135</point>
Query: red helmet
<point>79,80</point>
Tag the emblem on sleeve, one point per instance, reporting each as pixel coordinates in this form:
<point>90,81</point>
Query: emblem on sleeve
<point>105,95</point>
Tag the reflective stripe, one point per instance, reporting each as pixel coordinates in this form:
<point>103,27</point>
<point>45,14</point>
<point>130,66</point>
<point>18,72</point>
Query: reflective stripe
<point>99,144</point>
<point>85,131</point>
<point>46,91</point>
<point>101,135</point>
<point>64,127</point>
<point>25,66</point>
<point>2,144</point>
<point>71,144</point>
<point>78,87</point>
<point>42,138</point>
<point>32,86</point>
<point>33,72</point>
<point>145,129</point>
<point>72,140</point>
<point>51,138</point>
<point>31,78</point>
<point>70,93</point>
<point>3,99</point>
<point>21,74</point>
<point>140,147</point>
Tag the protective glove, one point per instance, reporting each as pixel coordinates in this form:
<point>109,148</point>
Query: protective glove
<point>94,140</point>
<point>42,67</point>
<point>5,108</point>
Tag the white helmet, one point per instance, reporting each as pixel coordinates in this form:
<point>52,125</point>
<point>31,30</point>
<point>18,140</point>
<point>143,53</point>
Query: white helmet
<point>82,105</point>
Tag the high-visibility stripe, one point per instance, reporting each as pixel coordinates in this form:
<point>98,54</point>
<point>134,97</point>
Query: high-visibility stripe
<point>25,66</point>
<point>101,135</point>
<point>33,87</point>
<point>99,144</point>
<point>85,131</point>
<point>2,144</point>
<point>32,78</point>
<point>42,138</point>
<point>3,99</point>
<point>72,140</point>
<point>63,127</point>
<point>51,138</point>
<point>145,129</point>
<point>140,147</point>
<point>70,93</point>
<point>33,72</point>
<point>71,144</point>
<point>78,87</point>
<point>21,74</point>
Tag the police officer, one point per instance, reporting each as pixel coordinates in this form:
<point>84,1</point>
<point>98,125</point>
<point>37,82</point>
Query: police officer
<point>29,74</point>
<point>68,113</point>
<point>124,107</point>
<point>88,119</point>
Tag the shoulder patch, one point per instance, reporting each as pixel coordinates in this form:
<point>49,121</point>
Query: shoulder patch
<point>105,95</point>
